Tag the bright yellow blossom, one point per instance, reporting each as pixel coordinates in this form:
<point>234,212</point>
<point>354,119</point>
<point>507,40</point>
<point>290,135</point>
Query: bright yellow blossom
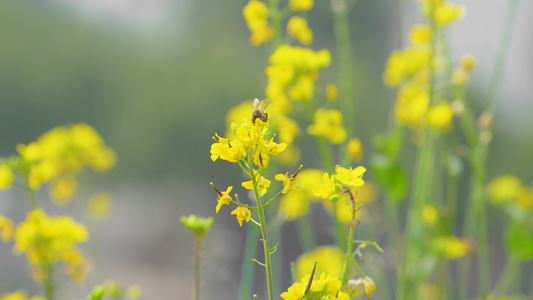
<point>303,89</point>
<point>231,151</point>
<point>256,15</point>
<point>261,36</point>
<point>440,116</point>
<point>298,28</point>
<point>327,188</point>
<point>300,5</point>
<point>447,13</point>
<point>288,183</point>
<point>355,149</point>
<point>242,214</point>
<point>6,177</point>
<point>323,287</point>
<point>420,34</point>
<point>412,104</point>
<point>328,123</point>
<point>223,198</point>
<point>237,115</point>
<point>6,229</point>
<point>353,178</point>
<point>262,184</point>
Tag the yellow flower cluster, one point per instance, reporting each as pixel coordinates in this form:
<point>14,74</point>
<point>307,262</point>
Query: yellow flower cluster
<point>328,123</point>
<point>451,247</point>
<point>300,5</point>
<point>46,240</point>
<point>411,69</point>
<point>333,185</point>
<point>62,152</point>
<point>297,205</point>
<point>461,74</point>
<point>292,74</point>
<point>6,177</point>
<point>19,295</point>
<point>6,229</point>
<point>249,139</point>
<point>323,287</point>
<point>256,15</point>
<point>509,188</point>
<point>297,27</point>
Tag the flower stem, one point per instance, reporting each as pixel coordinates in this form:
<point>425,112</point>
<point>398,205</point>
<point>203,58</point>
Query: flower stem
<point>48,281</point>
<point>198,240</point>
<point>345,61</point>
<point>245,288</point>
<point>511,269</point>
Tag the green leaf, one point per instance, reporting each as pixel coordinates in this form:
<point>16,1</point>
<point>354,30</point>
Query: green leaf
<point>97,293</point>
<point>519,241</point>
<point>391,175</point>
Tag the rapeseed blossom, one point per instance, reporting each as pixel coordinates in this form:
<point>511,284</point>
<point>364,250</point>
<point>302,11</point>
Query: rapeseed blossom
<point>355,149</point>
<point>504,188</point>
<point>6,176</point>
<point>242,214</point>
<point>297,27</point>
<point>328,123</point>
<point>332,92</point>
<point>300,5</point>
<point>46,240</point>
<point>330,260</point>
<point>298,203</point>
<point>261,182</point>
<point>440,116</point>
<point>256,15</point>
<point>6,229</point>
<point>323,287</point>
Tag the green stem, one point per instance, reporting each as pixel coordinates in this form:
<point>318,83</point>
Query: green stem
<point>245,288</point>
<point>477,217</point>
<point>275,17</point>
<point>198,239</point>
<point>349,249</point>
<point>262,220</point>
<point>511,269</point>
<point>32,198</point>
<point>48,281</point>
<point>345,62</point>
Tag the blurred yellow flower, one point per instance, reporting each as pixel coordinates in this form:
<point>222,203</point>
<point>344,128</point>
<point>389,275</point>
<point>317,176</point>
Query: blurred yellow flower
<point>330,260</point>
<point>524,199</point>
<point>440,116</point>
<point>19,295</point>
<point>332,93</point>
<point>6,229</point>
<point>46,240</point>
<point>289,156</point>
<point>300,5</point>
<point>468,62</point>
<point>100,206</point>
<point>297,27</point>
<point>412,105</point>
<point>355,149</point>
<point>451,247</point>
<point>242,214</point>
<point>420,34</point>
<point>447,13</point>
<point>328,123</point>
<point>256,15</point>
<point>134,292</point>
<point>344,210</point>
<point>6,177</point>
<point>294,207</point>
<point>460,76</point>
<point>303,89</point>
<point>288,129</point>
<point>62,189</point>
<point>429,214</point>
<point>504,188</point>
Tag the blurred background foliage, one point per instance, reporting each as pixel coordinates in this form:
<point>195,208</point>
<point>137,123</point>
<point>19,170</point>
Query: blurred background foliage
<point>156,79</point>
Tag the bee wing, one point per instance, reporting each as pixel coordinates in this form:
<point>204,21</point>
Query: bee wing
<point>263,104</point>
<point>256,103</point>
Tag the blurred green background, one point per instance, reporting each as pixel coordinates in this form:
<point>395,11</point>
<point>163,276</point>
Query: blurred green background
<point>156,79</point>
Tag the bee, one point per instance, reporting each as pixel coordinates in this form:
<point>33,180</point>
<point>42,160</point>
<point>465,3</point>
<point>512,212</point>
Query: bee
<point>259,110</point>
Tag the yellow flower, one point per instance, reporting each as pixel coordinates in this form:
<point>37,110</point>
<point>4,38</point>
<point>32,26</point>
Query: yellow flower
<point>328,123</point>
<point>332,92</point>
<point>303,89</point>
<point>294,206</point>
<point>289,156</point>
<point>327,188</point>
<point>504,188</point>
<point>46,240</point>
<point>412,105</point>
<point>262,184</point>
<point>330,260</point>
<point>456,248</point>
<point>369,285</point>
<point>297,27</point>
<point>223,197</point>
<point>460,76</point>
<point>237,115</point>
<point>62,189</point>
<point>242,214</point>
<point>19,295</point>
<point>256,15</point>
<point>6,177</point>
<point>468,62</point>
<point>6,228</point>
<point>355,149</point>
<point>288,183</point>
<point>446,13</point>
<point>231,151</point>
<point>300,5</point>
<point>395,70</point>
<point>440,116</point>
<point>429,214</point>
<point>420,34</point>
<point>350,177</point>
<point>323,287</point>
<point>42,172</point>
<point>288,129</point>
<point>261,36</point>
<point>100,206</point>
<point>30,152</point>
